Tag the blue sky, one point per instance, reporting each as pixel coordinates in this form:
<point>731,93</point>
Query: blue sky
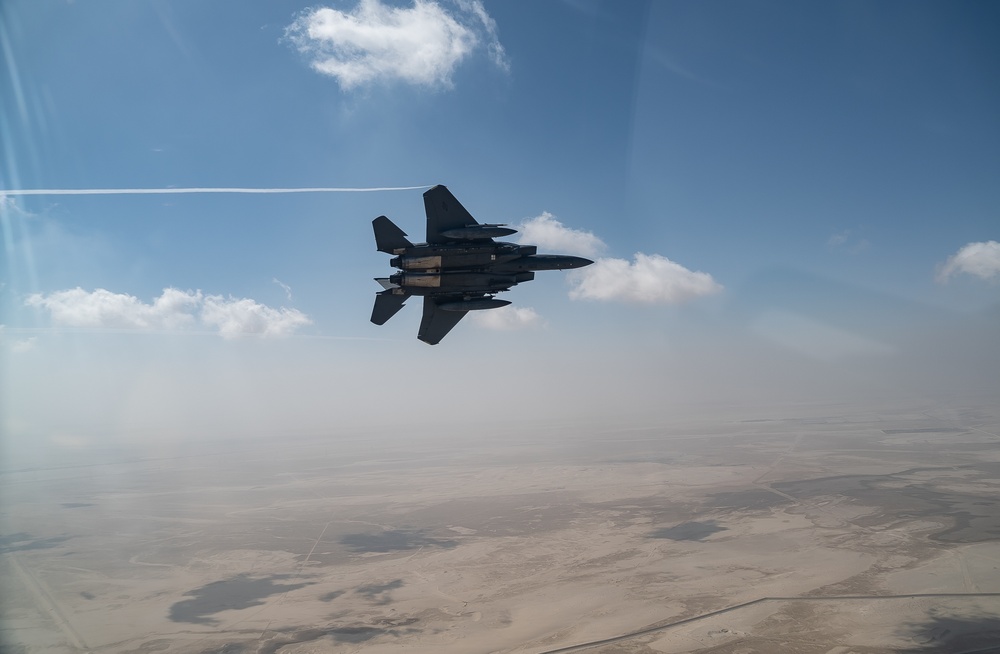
<point>788,200</point>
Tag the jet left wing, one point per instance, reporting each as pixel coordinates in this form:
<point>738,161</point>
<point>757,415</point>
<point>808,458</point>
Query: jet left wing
<point>437,322</point>
<point>444,212</point>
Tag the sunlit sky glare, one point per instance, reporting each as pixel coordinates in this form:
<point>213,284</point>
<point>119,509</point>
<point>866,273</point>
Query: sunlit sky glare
<point>785,200</point>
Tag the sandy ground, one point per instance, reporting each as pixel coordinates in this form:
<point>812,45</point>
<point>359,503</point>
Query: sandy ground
<point>823,529</point>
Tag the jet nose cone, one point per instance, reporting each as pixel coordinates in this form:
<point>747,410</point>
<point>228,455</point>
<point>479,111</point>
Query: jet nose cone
<point>580,262</point>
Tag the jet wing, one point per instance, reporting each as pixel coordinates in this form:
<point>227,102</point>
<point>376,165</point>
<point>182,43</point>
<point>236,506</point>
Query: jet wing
<point>444,212</point>
<point>436,322</point>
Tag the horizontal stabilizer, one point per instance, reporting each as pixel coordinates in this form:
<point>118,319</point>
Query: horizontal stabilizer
<point>388,237</point>
<point>385,283</point>
<point>387,304</point>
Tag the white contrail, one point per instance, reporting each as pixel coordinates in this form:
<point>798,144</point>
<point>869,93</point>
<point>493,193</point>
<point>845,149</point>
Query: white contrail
<point>151,191</point>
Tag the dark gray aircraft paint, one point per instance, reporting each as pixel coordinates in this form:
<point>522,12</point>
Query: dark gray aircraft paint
<point>459,269</point>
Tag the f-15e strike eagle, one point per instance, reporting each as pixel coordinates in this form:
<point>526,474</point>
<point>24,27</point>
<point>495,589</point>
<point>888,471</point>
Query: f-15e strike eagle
<point>459,269</point>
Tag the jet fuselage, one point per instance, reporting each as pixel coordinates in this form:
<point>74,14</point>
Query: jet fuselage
<point>459,269</point>
<point>457,282</point>
<point>424,256</point>
<point>504,258</point>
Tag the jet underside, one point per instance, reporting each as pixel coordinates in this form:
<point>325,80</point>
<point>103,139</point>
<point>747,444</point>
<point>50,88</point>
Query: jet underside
<point>459,269</point>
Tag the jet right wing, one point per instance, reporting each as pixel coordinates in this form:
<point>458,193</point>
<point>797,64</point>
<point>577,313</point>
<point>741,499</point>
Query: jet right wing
<point>444,212</point>
<point>436,322</point>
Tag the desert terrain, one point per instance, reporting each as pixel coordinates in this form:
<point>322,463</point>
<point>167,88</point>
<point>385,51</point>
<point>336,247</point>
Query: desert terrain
<point>823,528</point>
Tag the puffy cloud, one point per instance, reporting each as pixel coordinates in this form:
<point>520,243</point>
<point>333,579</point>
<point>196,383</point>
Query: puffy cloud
<point>235,317</point>
<point>548,233</point>
<point>507,318</point>
<point>102,308</point>
<point>419,45</point>
<point>173,309</point>
<point>979,259</point>
<point>648,279</point>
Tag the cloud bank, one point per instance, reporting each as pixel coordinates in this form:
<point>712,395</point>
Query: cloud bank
<point>549,234</point>
<point>979,259</point>
<point>172,310</point>
<point>420,45</point>
<point>648,279</point>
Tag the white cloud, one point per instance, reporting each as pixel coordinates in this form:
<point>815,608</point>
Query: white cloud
<point>7,203</point>
<point>285,287</point>
<point>507,318</point>
<point>847,241</point>
<point>979,259</point>
<point>839,238</point>
<point>648,279</point>
<point>548,233</point>
<point>17,347</point>
<point>173,309</point>
<point>419,45</point>
<point>239,317</point>
<point>25,345</point>
<point>493,46</point>
<point>102,308</point>
<point>860,246</point>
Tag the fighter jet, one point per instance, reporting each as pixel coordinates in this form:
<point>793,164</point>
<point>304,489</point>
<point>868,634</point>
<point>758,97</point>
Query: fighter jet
<point>459,269</point>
